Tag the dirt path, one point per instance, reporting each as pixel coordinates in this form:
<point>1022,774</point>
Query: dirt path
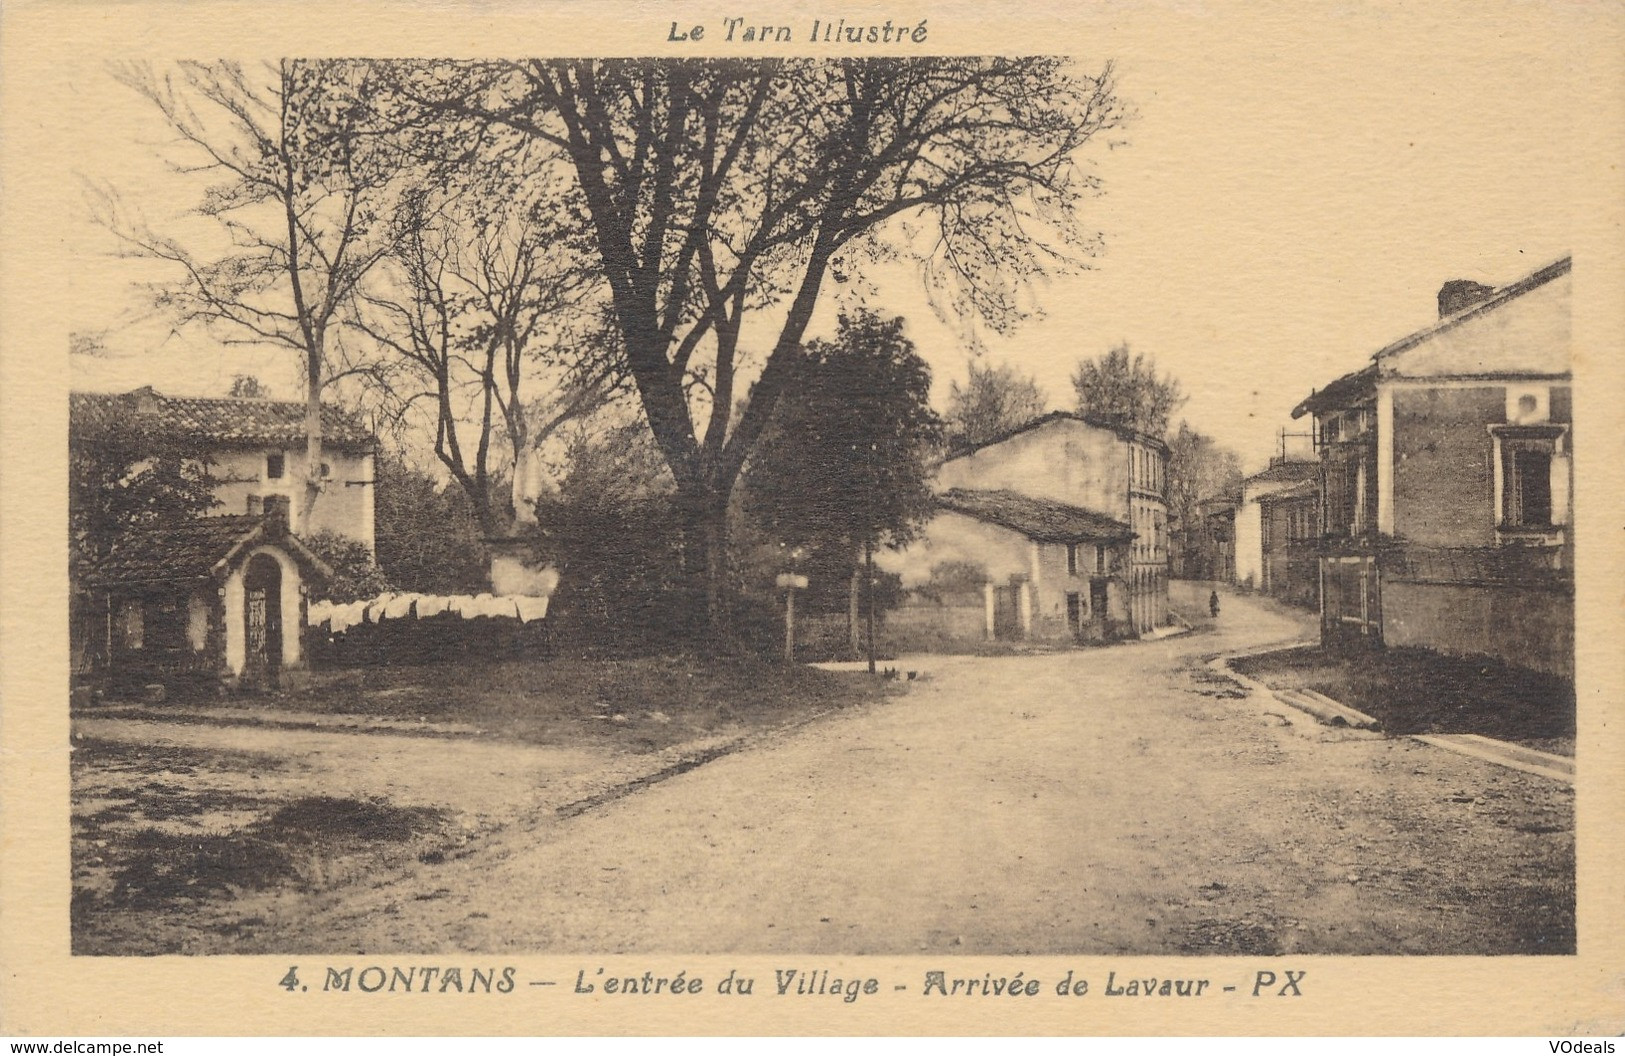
<point>1111,800</point>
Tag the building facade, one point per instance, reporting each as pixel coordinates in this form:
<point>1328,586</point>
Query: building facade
<point>1276,529</point>
<point>1446,481</point>
<point>1069,518</point>
<point>255,451</point>
<point>1289,541</point>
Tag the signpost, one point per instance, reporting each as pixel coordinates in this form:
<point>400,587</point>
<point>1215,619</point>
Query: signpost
<point>789,582</point>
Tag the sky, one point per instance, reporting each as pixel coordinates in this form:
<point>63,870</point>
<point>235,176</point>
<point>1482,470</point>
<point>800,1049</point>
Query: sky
<point>1289,198</point>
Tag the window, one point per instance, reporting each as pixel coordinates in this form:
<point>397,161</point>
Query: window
<point>165,624</point>
<point>274,466</point>
<point>1530,460</point>
<point>1100,560</point>
<point>1529,488</point>
<point>131,625</point>
<point>1071,559</point>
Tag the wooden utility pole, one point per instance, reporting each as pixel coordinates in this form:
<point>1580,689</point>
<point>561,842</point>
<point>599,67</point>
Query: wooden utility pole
<point>789,582</point>
<point>869,573</point>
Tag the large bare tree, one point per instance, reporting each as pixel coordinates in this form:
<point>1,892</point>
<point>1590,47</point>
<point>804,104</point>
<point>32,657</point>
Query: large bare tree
<point>720,196</point>
<point>298,200</point>
<point>484,316</point>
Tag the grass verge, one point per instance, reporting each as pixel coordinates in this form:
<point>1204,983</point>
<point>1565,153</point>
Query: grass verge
<point>1414,691</point>
<point>644,704</point>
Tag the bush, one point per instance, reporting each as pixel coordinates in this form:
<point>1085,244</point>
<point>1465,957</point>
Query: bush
<point>355,574</point>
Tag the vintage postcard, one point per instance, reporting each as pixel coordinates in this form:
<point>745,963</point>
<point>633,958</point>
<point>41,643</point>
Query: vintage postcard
<point>812,519</point>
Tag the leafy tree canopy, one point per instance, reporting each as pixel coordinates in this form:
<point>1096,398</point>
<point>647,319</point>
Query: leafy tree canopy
<point>1125,389</point>
<point>126,476</point>
<point>847,463</point>
<point>713,192</point>
<point>992,401</point>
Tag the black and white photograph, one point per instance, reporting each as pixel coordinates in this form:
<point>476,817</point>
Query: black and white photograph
<point>868,505</point>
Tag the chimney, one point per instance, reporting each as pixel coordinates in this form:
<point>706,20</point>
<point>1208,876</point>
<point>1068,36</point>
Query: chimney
<point>146,400</point>
<point>1459,294</point>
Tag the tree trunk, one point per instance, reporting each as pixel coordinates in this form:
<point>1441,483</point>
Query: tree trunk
<point>712,534</point>
<point>313,438</point>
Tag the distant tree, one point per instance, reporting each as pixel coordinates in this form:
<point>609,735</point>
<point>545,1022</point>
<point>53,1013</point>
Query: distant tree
<point>950,579</point>
<point>992,401</point>
<point>247,387</point>
<point>1198,469</point>
<point>1125,389</point>
<point>845,467</point>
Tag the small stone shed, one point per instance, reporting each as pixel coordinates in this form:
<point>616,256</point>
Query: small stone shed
<point>211,601</point>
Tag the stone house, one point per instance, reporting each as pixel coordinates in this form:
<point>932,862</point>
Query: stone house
<point>1446,481</point>
<point>256,453</point>
<point>1066,518</point>
<point>1276,528</point>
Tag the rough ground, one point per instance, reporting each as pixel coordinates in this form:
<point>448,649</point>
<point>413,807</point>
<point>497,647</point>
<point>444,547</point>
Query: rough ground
<point>1102,801</point>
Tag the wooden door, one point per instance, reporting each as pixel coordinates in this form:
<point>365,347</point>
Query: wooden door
<point>1097,604</point>
<point>262,622</point>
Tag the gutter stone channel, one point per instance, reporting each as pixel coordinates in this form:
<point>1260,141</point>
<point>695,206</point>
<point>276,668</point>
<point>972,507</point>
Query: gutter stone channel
<point>1333,713</point>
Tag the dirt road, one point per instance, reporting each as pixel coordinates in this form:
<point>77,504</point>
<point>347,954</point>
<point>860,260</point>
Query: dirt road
<point>1120,799</point>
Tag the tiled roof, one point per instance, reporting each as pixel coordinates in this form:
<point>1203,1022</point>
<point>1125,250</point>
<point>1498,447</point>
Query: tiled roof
<point>229,422</point>
<point>190,550</point>
<point>1043,520</point>
<point>1058,416</point>
<point>1287,472</point>
<point>1342,392</point>
<point>1303,489</point>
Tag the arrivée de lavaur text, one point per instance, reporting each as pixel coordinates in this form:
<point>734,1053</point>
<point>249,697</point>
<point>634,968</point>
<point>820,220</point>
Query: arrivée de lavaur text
<point>612,984</point>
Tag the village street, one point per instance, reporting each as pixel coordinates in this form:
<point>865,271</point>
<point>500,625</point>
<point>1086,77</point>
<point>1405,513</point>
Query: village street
<point>1122,799</point>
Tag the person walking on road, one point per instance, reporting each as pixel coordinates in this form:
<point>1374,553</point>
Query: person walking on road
<point>1213,604</point>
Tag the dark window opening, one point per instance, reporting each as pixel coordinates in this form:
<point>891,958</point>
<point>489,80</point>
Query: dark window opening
<point>165,621</point>
<point>274,466</point>
<point>1071,559</point>
<point>1529,488</point>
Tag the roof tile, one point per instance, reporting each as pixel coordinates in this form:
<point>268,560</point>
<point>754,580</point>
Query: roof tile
<point>1043,520</point>
<point>228,422</point>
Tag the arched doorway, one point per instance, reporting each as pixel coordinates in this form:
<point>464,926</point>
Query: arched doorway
<point>262,622</point>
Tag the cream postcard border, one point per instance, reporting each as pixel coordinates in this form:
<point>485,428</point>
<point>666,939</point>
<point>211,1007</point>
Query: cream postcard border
<point>44,990</point>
